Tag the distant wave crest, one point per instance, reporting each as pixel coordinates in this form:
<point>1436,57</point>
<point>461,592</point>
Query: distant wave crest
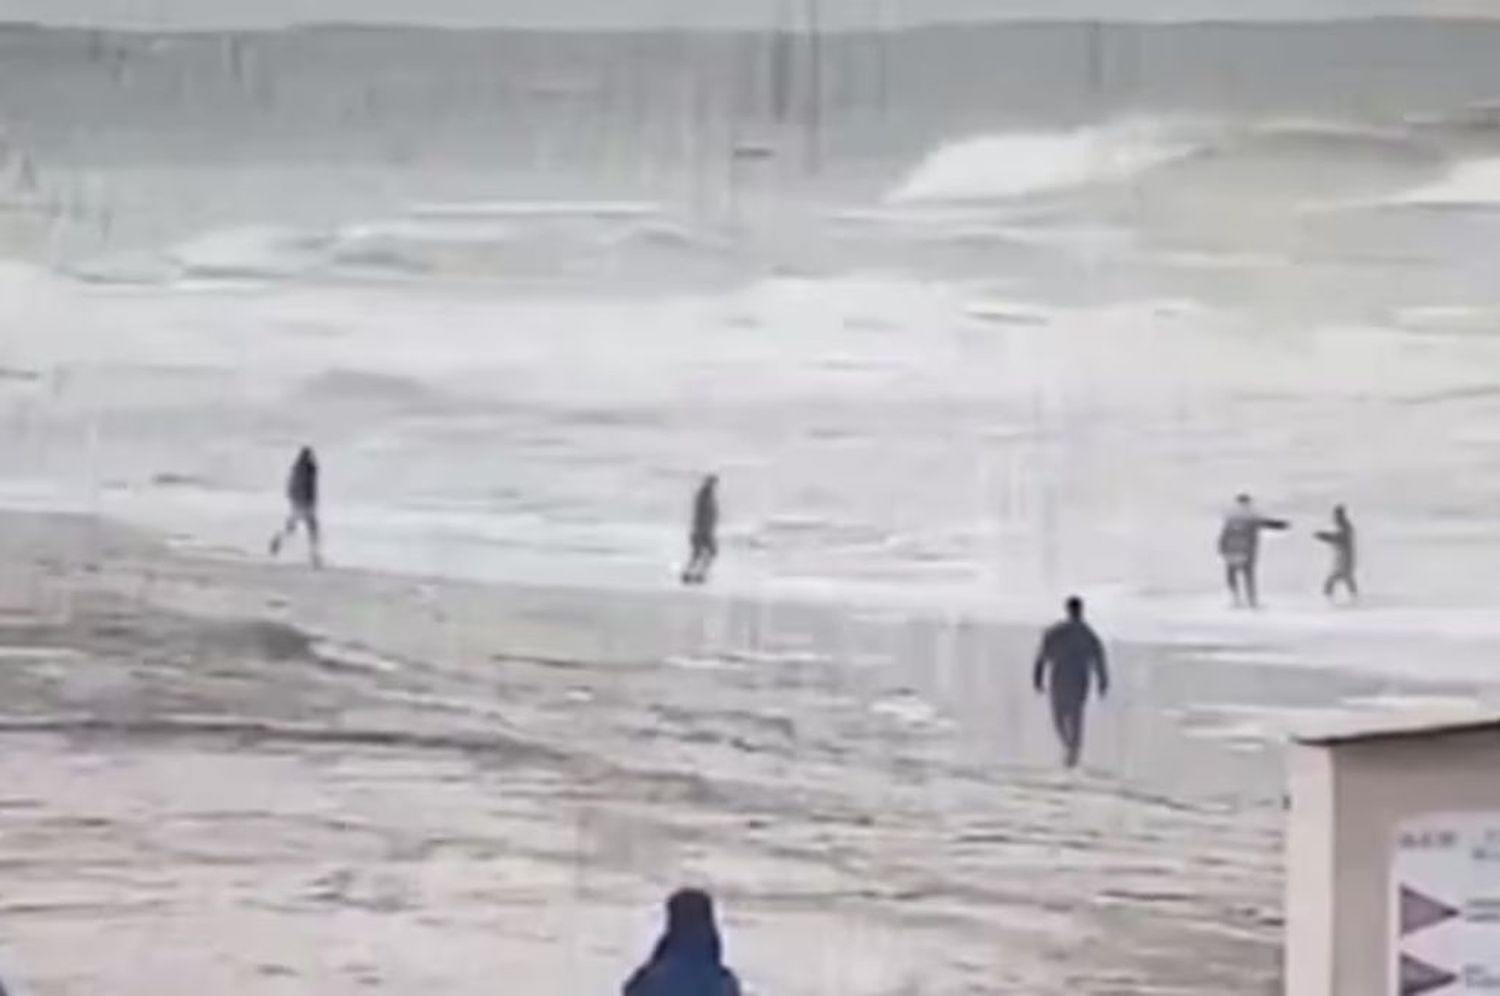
<point>1472,183</point>
<point>1023,164</point>
<point>990,167</point>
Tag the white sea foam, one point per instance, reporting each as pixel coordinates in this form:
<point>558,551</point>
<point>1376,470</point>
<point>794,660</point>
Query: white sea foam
<point>1470,183</point>
<point>990,167</point>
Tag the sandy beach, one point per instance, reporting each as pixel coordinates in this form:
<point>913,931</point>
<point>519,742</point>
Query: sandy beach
<point>225,775</point>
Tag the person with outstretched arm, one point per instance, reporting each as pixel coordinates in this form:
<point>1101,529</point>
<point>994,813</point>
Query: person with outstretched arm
<point>1341,539</point>
<point>688,959</point>
<point>1069,661</point>
<point>1239,546</point>
<point>302,496</point>
<point>703,539</point>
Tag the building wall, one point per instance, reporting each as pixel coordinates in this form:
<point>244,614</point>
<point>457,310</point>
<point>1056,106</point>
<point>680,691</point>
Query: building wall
<point>1348,801</point>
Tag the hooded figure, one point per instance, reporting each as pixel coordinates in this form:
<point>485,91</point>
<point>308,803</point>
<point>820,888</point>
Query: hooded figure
<point>302,497</point>
<point>1239,545</point>
<point>687,960</point>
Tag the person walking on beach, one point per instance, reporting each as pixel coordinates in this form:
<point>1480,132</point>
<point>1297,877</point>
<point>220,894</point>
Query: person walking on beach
<point>688,959</point>
<point>1341,539</point>
<point>703,540</point>
<point>1068,662</point>
<point>302,494</point>
<point>1239,545</point>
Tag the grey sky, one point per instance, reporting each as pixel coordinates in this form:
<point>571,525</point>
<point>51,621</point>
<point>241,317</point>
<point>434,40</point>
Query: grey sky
<point>622,13</point>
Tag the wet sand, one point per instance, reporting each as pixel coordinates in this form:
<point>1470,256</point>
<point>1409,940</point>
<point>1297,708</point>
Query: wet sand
<point>220,775</point>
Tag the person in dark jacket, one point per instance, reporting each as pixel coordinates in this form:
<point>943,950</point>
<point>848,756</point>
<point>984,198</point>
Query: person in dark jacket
<point>1239,545</point>
<point>1341,539</point>
<point>703,540</point>
<point>1069,659</point>
<point>688,959</point>
<point>302,495</point>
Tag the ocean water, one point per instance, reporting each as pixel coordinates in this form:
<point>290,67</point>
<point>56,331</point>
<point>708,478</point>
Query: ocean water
<point>966,318</point>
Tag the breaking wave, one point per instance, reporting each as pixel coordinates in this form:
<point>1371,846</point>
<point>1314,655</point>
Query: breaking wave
<point>1135,178</point>
<point>1474,183</point>
<point>1294,157</point>
<point>990,167</point>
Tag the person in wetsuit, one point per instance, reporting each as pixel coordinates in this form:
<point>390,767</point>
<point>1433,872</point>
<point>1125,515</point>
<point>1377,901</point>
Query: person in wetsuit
<point>1239,546</point>
<point>302,495</point>
<point>1068,662</point>
<point>688,959</point>
<point>703,539</point>
<point>1341,539</point>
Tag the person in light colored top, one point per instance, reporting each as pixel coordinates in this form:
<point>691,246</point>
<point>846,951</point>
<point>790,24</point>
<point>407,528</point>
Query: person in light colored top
<point>1239,546</point>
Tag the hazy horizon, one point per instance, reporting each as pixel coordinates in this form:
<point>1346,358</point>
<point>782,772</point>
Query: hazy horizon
<point>619,14</point>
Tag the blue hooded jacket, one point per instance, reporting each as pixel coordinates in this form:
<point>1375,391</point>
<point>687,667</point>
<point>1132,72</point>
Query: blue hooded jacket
<point>688,958</point>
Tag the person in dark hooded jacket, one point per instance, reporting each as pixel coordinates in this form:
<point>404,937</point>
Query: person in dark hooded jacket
<point>302,496</point>
<point>703,540</point>
<point>688,959</point>
<point>1069,662</point>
